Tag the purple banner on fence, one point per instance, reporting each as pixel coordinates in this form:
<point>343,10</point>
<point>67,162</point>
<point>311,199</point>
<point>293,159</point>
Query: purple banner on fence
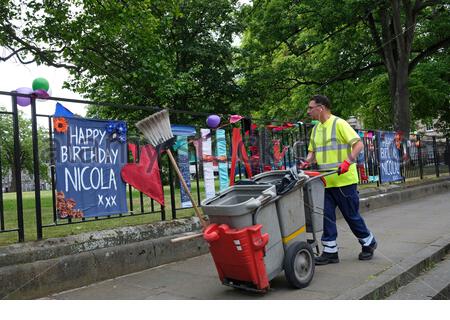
<point>183,164</point>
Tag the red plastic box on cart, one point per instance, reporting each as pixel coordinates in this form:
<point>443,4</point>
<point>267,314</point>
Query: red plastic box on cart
<point>239,254</point>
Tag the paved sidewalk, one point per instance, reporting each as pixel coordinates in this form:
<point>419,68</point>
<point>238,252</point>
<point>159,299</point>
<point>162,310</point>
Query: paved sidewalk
<point>401,230</point>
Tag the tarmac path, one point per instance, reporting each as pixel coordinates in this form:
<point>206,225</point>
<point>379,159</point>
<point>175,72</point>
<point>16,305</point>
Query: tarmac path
<point>401,230</point>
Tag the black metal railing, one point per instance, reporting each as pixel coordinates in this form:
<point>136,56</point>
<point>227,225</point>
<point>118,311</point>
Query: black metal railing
<point>420,157</point>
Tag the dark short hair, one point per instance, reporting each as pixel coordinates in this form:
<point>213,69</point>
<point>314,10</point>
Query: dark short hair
<point>320,99</point>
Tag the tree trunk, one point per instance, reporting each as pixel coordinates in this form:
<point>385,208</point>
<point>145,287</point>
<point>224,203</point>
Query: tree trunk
<point>399,96</point>
<point>12,186</point>
<point>400,100</point>
<point>394,45</point>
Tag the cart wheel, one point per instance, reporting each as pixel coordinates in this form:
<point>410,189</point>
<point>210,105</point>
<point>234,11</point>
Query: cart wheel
<point>299,264</point>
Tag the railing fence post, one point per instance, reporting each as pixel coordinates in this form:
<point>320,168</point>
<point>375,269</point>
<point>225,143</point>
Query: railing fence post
<point>419,152</point>
<point>448,154</point>
<point>163,207</point>
<point>18,170</point>
<point>2,218</point>
<point>436,157</point>
<point>52,168</point>
<point>172,191</point>
<point>36,163</point>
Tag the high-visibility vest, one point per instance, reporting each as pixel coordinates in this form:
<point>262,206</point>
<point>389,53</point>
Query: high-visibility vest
<point>332,143</point>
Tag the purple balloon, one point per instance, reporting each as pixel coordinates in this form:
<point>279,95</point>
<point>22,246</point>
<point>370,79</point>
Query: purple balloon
<point>213,121</point>
<point>24,101</point>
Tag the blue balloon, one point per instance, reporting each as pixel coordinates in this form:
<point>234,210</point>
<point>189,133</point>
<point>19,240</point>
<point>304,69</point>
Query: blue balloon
<point>121,128</point>
<point>110,127</point>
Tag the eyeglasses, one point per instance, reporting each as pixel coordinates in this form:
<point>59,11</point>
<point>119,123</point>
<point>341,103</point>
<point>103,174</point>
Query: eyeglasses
<point>317,105</point>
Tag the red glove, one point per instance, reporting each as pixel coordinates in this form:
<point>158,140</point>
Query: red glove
<point>304,165</point>
<point>343,168</point>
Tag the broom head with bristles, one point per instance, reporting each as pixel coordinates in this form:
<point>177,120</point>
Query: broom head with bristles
<point>156,128</point>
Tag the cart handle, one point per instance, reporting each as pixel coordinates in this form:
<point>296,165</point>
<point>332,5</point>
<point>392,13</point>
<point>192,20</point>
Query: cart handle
<point>317,175</point>
<point>266,196</point>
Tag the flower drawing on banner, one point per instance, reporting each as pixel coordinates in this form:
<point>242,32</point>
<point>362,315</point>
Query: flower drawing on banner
<point>60,124</point>
<point>65,207</point>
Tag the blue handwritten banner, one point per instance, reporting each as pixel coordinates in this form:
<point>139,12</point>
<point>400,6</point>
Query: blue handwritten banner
<point>183,165</point>
<point>221,148</point>
<point>389,157</point>
<point>89,157</point>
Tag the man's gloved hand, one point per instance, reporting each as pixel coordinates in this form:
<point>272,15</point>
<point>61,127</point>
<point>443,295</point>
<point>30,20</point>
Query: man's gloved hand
<point>343,168</point>
<point>304,165</point>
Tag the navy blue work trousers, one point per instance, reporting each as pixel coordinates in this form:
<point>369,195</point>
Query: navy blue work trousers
<point>347,200</point>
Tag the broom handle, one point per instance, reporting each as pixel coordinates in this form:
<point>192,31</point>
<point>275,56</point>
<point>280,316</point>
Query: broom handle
<point>180,176</point>
<point>188,237</point>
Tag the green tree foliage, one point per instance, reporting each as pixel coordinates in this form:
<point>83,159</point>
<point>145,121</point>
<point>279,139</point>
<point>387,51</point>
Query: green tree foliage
<point>357,52</point>
<point>26,147</point>
<point>162,53</point>
<point>379,59</point>
<point>430,87</point>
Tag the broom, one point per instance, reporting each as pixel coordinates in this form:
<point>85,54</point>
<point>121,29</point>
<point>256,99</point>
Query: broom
<point>156,129</point>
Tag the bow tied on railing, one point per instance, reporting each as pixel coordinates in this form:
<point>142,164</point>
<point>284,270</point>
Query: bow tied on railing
<point>210,158</point>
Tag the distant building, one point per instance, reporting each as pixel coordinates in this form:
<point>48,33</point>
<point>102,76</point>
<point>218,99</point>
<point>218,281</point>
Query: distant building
<point>429,130</point>
<point>427,133</point>
<point>27,183</point>
<point>355,123</point>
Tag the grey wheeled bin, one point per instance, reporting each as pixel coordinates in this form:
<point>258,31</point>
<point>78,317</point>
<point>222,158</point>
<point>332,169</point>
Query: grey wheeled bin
<point>241,206</point>
<point>296,209</point>
<point>299,257</point>
<point>291,213</point>
<point>314,194</point>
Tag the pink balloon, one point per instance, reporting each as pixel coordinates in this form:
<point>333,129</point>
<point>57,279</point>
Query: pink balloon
<point>41,94</point>
<point>24,101</point>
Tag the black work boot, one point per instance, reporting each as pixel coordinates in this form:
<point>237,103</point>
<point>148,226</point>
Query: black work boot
<point>367,251</point>
<point>327,258</point>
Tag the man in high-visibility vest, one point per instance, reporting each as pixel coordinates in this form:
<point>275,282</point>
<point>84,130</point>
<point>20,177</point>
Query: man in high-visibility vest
<point>334,145</point>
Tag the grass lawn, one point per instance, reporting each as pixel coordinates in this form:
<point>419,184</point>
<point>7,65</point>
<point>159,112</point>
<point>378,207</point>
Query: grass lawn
<point>64,229</point>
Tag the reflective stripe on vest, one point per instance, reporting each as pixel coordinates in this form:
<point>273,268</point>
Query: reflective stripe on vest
<point>333,150</point>
<point>336,147</point>
<point>314,135</point>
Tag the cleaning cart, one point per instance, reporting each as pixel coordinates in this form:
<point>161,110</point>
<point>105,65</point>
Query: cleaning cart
<point>258,229</point>
<point>311,208</point>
